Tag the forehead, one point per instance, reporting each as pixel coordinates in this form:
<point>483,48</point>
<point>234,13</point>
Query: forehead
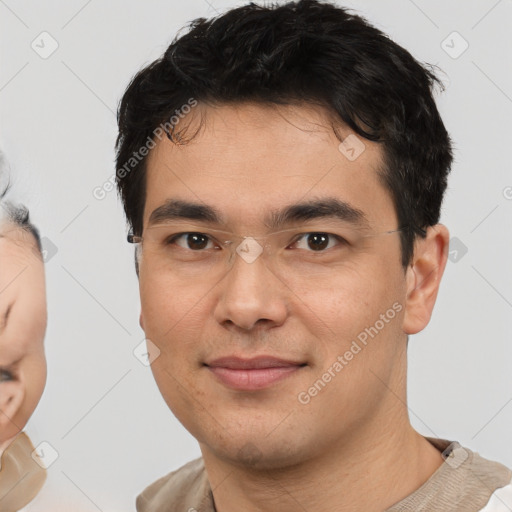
<point>17,242</point>
<point>248,159</point>
<point>21,264</point>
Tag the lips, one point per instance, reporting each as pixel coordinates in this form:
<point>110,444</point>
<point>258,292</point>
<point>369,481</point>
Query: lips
<point>252,374</point>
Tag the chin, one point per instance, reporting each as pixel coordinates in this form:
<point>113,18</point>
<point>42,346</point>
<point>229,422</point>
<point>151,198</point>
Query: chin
<point>259,453</point>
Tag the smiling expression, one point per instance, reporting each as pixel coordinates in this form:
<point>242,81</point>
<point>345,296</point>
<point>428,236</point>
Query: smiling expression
<point>236,351</point>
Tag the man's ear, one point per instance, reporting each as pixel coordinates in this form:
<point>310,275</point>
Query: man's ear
<point>423,277</point>
<point>12,394</point>
<point>141,320</point>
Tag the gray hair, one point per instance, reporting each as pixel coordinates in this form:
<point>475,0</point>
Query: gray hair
<point>17,214</point>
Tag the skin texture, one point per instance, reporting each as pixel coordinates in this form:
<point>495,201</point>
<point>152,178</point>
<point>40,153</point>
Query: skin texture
<point>23,319</point>
<point>352,446</point>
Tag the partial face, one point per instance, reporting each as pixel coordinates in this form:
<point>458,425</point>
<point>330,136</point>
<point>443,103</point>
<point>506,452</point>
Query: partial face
<point>22,328</point>
<point>292,316</point>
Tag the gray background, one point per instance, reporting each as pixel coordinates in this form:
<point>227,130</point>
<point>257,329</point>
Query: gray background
<point>101,410</point>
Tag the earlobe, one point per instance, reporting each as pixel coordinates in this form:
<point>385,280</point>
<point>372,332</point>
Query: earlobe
<point>423,277</point>
<point>141,321</point>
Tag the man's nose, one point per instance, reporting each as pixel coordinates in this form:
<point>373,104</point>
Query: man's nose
<point>251,293</point>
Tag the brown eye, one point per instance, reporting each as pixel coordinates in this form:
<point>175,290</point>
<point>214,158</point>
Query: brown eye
<point>318,241</point>
<point>197,241</point>
<point>193,241</point>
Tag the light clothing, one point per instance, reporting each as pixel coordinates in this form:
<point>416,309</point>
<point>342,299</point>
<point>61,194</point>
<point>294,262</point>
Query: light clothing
<point>465,482</point>
<point>22,474</point>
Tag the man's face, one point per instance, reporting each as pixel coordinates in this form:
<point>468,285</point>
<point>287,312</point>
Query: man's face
<point>22,328</point>
<point>248,161</point>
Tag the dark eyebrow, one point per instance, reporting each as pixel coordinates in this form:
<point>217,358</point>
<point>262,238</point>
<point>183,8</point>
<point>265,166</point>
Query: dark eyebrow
<point>316,209</point>
<point>174,209</point>
<point>300,212</point>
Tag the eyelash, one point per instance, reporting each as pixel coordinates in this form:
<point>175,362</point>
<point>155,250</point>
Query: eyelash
<point>338,238</point>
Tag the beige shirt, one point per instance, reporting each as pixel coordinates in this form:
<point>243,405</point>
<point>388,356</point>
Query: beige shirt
<point>22,474</point>
<point>466,482</point>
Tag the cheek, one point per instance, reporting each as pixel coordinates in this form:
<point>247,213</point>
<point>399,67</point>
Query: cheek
<point>174,314</point>
<point>350,309</point>
<point>351,299</point>
<point>34,381</point>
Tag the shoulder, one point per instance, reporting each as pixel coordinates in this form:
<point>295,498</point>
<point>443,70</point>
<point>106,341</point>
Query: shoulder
<point>464,482</point>
<point>493,480</point>
<point>183,489</point>
<point>480,481</point>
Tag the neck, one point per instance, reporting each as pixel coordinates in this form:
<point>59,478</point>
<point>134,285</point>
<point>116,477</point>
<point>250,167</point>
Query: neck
<point>371,470</point>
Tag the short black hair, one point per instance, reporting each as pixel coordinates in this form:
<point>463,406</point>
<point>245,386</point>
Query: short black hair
<point>19,215</point>
<point>302,51</point>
